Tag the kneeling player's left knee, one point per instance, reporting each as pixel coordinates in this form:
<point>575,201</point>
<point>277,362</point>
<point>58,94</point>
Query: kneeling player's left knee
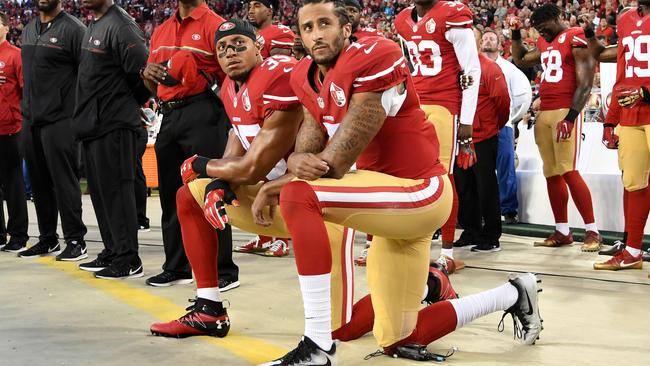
<point>297,193</point>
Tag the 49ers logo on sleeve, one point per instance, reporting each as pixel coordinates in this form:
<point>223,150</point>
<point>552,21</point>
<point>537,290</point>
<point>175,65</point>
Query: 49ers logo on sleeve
<point>562,38</point>
<point>338,95</point>
<point>226,26</point>
<point>246,100</point>
<point>431,26</point>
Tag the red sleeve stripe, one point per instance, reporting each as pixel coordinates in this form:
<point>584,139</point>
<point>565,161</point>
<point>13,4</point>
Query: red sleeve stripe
<point>381,73</point>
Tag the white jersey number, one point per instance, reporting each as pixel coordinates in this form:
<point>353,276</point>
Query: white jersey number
<point>275,61</point>
<point>421,65</point>
<point>552,65</point>
<point>639,50</point>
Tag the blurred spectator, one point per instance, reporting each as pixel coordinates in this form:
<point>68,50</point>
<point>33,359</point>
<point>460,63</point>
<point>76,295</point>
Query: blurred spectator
<point>605,31</point>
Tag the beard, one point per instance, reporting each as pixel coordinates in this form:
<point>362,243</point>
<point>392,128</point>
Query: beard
<point>331,58</point>
<point>489,49</point>
<point>51,5</point>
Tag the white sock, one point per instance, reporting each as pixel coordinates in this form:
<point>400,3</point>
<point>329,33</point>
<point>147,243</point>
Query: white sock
<point>633,251</point>
<point>209,293</point>
<point>426,292</point>
<point>318,312</point>
<point>562,227</point>
<point>591,227</point>
<point>475,306</point>
<point>447,252</point>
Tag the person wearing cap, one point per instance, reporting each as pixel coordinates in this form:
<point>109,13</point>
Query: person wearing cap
<point>354,9</point>
<point>11,174</point>
<point>181,61</point>
<point>106,119</point>
<point>275,39</point>
<point>51,46</point>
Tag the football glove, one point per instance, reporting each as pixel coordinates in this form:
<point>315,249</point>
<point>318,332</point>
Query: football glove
<point>610,139</point>
<point>217,194</point>
<point>514,23</point>
<point>629,97</point>
<point>564,129</point>
<point>194,167</point>
<point>466,156</point>
<point>465,80</point>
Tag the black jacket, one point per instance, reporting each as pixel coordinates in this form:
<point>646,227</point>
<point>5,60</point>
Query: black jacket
<point>109,89</point>
<point>50,55</point>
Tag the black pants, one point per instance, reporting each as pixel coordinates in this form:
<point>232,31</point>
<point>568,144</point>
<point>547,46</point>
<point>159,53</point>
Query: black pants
<point>198,128</point>
<point>479,212</point>
<point>13,188</point>
<point>51,153</point>
<point>110,165</point>
<point>140,179</point>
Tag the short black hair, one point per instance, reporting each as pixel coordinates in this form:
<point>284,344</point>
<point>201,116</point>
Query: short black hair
<point>339,9</point>
<point>4,19</point>
<point>545,13</point>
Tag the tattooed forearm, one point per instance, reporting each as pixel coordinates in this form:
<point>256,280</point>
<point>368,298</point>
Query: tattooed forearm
<point>359,126</point>
<point>311,136</point>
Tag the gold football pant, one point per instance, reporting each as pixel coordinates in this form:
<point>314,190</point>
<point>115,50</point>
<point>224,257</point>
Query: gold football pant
<point>402,214</point>
<point>341,242</point>
<point>634,156</point>
<point>558,157</point>
<point>446,129</point>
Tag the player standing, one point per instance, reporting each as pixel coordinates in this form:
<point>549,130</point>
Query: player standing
<point>565,87</point>
<point>275,39</point>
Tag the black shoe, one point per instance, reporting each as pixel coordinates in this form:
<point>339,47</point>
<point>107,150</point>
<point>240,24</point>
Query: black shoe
<point>227,285</point>
<point>144,228</point>
<point>307,353</point>
<point>95,266</point>
<point>486,248</point>
<point>415,352</point>
<point>510,219</point>
<point>14,247</point>
<point>117,272</point>
<point>74,250</point>
<point>615,249</point>
<point>462,243</point>
<point>167,279</point>
<point>436,235</point>
<point>40,249</point>
<point>3,241</point>
<point>646,256</point>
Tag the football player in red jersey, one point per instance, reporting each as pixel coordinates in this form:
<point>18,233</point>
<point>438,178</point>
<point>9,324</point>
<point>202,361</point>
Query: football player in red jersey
<point>354,8</point>
<point>276,39</point>
<point>630,109</point>
<point>441,45</point>
<point>362,109</point>
<point>565,87</point>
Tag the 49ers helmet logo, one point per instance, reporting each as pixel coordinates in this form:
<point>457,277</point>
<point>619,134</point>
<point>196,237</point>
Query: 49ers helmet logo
<point>338,95</point>
<point>246,100</point>
<point>226,26</point>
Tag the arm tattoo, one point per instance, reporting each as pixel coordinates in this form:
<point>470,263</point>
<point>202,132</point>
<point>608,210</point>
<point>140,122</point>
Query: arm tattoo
<point>311,137</point>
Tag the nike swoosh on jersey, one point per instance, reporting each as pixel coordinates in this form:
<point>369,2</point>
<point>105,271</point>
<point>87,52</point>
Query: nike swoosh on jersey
<point>368,50</point>
<point>287,69</point>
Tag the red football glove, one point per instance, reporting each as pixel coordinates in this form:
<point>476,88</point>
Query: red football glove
<point>514,23</point>
<point>610,139</point>
<point>194,167</point>
<point>629,97</point>
<point>217,194</point>
<point>466,156</point>
<point>564,129</point>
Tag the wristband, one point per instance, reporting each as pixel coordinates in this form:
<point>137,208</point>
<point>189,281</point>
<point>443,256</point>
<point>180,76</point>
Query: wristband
<point>572,115</point>
<point>516,34</point>
<point>200,166</point>
<point>589,32</point>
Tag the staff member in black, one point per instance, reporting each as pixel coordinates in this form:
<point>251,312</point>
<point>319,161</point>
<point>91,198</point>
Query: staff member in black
<point>106,118</point>
<point>51,44</point>
<point>193,123</point>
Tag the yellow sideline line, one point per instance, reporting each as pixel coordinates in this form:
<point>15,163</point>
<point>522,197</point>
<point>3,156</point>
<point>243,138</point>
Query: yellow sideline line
<point>248,348</point>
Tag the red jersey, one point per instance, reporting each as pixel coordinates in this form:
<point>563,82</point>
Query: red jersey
<point>406,146</point>
<point>11,91</point>
<point>362,33</point>
<point>434,61</point>
<point>558,82</point>
<point>633,68</point>
<point>275,36</point>
<point>267,89</point>
<point>493,107</point>
<point>194,34</point>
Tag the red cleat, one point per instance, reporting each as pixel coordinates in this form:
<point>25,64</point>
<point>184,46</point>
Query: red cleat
<point>622,260</point>
<point>439,286</point>
<point>556,240</point>
<point>258,244</point>
<point>205,318</point>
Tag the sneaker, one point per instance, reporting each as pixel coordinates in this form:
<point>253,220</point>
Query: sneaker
<point>227,285</point>
<point>592,243</point>
<point>525,312</point>
<point>646,256</point>
<point>256,245</point>
<point>415,352</point>
<point>486,248</point>
<point>557,239</point>
<point>462,243</point>
<point>623,260</point>
<point>616,248</point>
<point>438,286</point>
<point>14,247</point>
<point>205,317</point>
<point>74,251</point>
<point>510,219</point>
<point>95,266</point>
<point>306,354</point>
<point>116,272</point>
<point>166,279</point>
<point>40,249</point>
<point>450,265</point>
<point>3,241</point>
<point>144,229</point>
<point>363,257</point>
<point>279,248</point>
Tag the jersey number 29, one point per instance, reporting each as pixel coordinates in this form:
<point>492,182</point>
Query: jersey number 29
<point>638,49</point>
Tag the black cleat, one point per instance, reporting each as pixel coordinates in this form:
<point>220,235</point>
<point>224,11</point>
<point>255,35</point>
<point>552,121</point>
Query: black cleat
<point>306,354</point>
